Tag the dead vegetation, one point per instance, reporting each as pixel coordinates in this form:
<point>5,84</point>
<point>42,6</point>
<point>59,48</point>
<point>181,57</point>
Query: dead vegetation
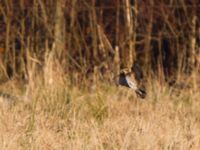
<point>58,60</point>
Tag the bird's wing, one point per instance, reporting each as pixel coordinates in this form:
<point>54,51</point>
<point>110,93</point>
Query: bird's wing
<point>131,84</point>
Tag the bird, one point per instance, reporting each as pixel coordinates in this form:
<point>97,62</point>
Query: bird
<point>131,80</point>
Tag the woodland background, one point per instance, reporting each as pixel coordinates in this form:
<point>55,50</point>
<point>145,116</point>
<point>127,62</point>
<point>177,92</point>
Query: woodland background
<point>163,36</point>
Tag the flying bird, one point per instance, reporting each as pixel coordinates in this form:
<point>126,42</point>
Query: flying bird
<point>131,80</point>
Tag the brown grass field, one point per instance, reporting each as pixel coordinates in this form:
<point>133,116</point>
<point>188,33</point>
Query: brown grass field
<point>57,115</point>
<point>57,64</point>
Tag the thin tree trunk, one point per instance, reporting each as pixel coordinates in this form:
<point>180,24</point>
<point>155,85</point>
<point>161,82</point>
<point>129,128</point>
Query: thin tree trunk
<point>117,56</point>
<point>193,48</point>
<point>148,40</point>
<point>129,47</point>
<point>59,29</point>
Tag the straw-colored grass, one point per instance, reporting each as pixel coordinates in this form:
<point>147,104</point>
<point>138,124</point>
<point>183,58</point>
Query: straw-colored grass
<point>62,116</point>
<point>50,44</point>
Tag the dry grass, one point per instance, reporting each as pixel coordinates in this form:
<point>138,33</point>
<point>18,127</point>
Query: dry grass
<point>62,116</point>
<point>97,37</point>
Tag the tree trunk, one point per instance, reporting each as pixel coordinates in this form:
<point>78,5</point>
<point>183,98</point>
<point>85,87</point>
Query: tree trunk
<point>59,33</point>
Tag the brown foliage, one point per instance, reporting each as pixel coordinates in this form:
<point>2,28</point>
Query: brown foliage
<point>160,35</point>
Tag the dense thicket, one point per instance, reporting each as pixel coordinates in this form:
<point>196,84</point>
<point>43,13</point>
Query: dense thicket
<point>162,36</point>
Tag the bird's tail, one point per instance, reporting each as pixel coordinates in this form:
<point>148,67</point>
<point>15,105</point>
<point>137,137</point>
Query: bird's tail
<point>141,92</point>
